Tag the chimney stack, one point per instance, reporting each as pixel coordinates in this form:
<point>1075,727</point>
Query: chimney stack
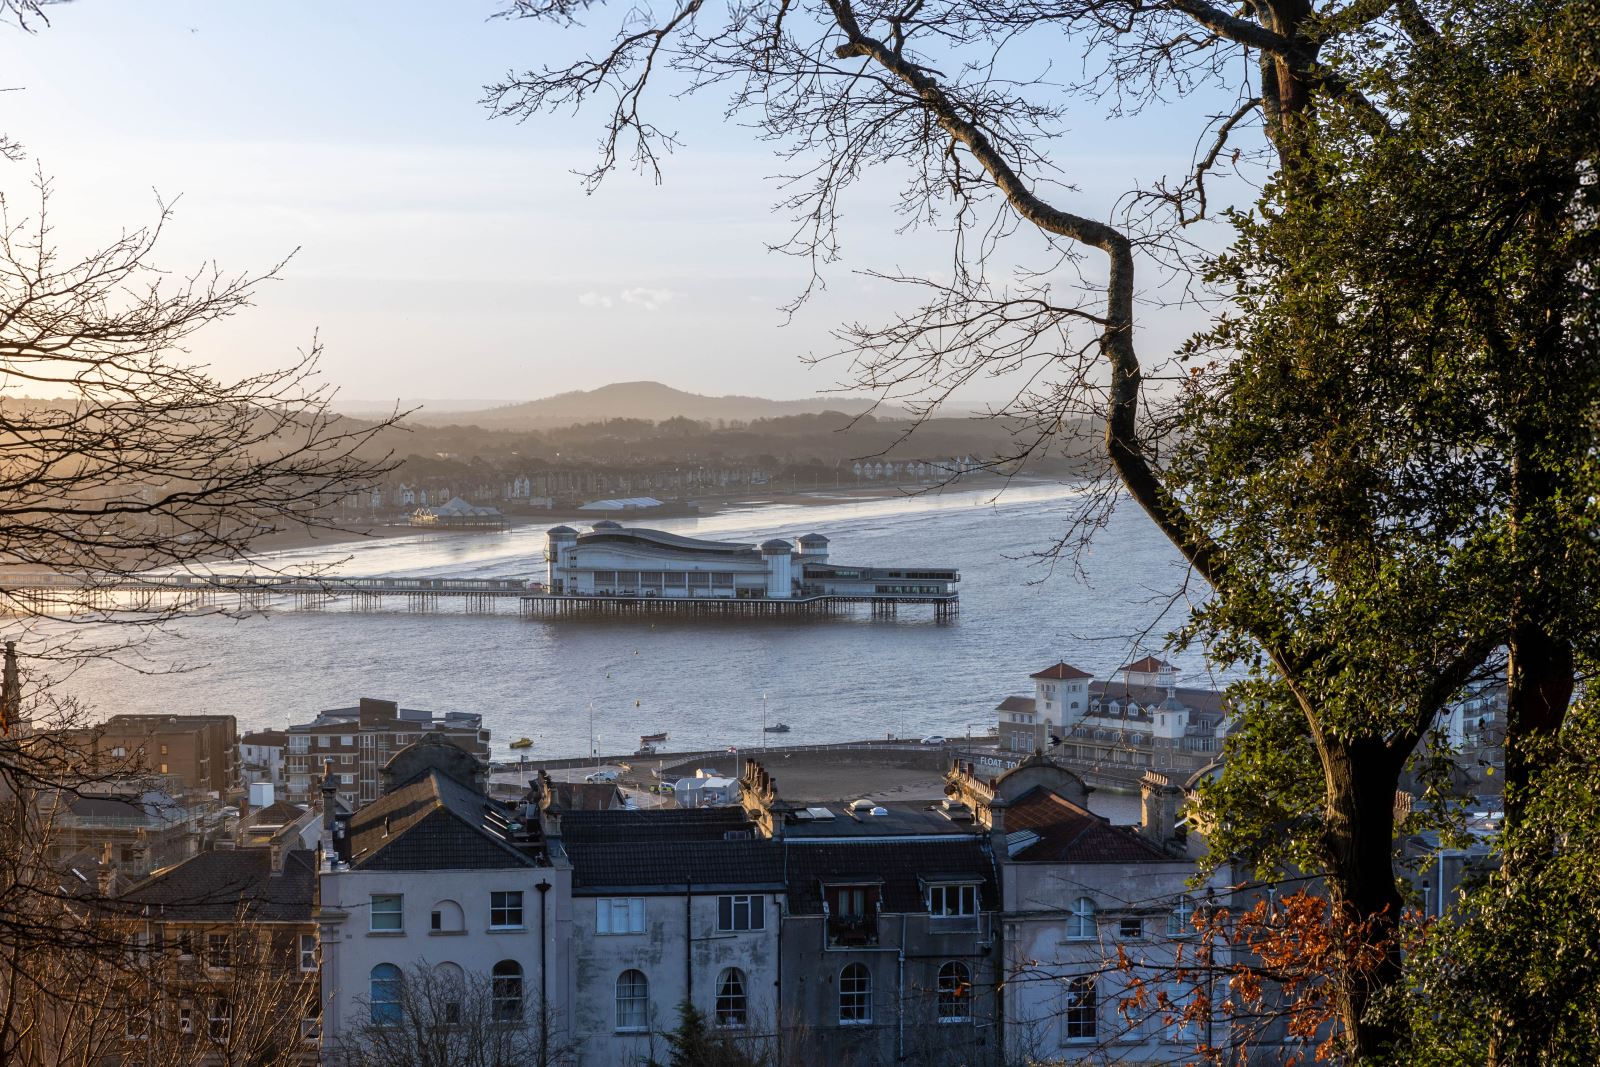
<point>330,799</point>
<point>997,828</point>
<point>1158,809</point>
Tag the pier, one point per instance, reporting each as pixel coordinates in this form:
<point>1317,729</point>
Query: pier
<point>88,592</point>
<point>879,605</point>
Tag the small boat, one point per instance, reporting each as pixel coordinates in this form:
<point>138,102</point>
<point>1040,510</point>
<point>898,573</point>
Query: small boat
<point>778,728</point>
<point>652,739</point>
<point>522,742</point>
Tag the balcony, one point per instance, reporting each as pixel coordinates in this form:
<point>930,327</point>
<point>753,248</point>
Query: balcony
<point>852,931</point>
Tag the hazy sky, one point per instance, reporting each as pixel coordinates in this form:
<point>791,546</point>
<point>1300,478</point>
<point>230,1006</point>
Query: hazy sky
<point>442,254</point>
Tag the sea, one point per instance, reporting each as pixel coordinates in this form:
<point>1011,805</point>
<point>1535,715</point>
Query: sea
<point>705,682</point>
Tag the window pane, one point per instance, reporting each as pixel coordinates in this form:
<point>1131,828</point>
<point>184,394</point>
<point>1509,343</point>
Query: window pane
<point>506,991</point>
<point>955,992</point>
<point>386,911</point>
<point>633,1001</point>
<point>732,1005</point>
<point>855,994</point>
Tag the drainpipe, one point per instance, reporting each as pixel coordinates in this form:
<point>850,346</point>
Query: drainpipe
<point>688,942</point>
<point>543,887</point>
<point>900,996</point>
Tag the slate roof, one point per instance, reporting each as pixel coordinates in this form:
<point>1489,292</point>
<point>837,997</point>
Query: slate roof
<point>901,866</point>
<point>587,796</point>
<point>1070,834</point>
<point>1060,672</point>
<point>652,824</point>
<point>218,886</point>
<point>433,823</point>
<point>278,813</point>
<point>1028,704</point>
<point>669,865</point>
<point>1206,701</point>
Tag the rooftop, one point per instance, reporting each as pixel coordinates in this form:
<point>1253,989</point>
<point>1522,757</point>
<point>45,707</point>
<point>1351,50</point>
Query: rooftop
<point>901,868</point>
<point>228,884</point>
<point>1063,832</point>
<point>1061,672</point>
<point>435,823</point>
<point>898,819</point>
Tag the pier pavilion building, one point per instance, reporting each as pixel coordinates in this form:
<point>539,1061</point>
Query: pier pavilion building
<point>618,561</point>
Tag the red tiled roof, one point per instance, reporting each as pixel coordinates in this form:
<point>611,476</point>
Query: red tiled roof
<point>1070,834</point>
<point>1061,671</point>
<point>1148,665</point>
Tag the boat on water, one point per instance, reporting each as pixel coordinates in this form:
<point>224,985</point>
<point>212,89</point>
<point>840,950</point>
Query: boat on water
<point>522,742</point>
<point>648,743</point>
<point>777,728</point>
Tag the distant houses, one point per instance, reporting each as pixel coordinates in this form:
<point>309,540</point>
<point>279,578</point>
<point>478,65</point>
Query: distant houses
<point>1138,719</point>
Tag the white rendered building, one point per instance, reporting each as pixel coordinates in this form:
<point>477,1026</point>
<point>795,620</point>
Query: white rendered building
<point>613,560</point>
<point>435,874</point>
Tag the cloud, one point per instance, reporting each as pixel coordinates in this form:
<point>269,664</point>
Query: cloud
<point>649,299</point>
<point>594,300</point>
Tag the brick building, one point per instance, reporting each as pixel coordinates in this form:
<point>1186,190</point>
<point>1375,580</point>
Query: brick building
<point>359,741</point>
<point>199,752</point>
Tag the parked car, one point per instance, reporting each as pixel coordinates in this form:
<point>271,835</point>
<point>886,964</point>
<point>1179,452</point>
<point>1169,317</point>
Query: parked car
<point>934,739</point>
<point>601,776</point>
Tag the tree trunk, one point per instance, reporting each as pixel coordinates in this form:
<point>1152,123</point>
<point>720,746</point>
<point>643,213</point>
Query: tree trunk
<point>1539,685</point>
<point>1362,776</point>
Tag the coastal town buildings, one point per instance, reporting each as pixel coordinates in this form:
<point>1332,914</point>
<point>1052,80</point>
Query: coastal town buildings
<point>613,560</point>
<point>458,514</point>
<point>232,972</point>
<point>855,932</point>
<point>261,756</point>
<point>189,751</point>
<point>129,832</point>
<point>435,875</point>
<point>361,740</point>
<point>1139,718</point>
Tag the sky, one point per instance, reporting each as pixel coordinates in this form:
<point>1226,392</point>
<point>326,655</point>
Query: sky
<point>438,254</point>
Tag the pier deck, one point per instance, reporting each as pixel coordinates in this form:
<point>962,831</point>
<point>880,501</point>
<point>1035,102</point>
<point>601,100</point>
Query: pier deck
<point>84,593</point>
<point>881,605</point>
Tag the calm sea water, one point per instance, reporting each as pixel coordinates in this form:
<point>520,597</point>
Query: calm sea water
<point>830,679</point>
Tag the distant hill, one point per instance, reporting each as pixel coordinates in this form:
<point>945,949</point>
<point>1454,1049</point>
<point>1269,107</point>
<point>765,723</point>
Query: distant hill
<point>640,400</point>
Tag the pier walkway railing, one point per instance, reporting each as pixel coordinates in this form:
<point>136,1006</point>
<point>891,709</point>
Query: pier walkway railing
<point>100,591</point>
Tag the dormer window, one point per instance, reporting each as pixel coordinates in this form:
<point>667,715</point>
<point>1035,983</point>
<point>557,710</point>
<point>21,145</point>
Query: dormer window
<point>952,901</point>
<point>852,913</point>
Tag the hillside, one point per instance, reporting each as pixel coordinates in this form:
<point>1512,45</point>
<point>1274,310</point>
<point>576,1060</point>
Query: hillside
<point>652,401</point>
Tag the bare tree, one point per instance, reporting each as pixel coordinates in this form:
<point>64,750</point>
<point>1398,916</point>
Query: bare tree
<point>442,1016</point>
<point>948,94</point>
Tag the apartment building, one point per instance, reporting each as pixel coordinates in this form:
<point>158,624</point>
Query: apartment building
<point>198,752</point>
<point>359,741</point>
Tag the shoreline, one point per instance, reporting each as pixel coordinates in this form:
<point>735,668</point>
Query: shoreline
<point>333,536</point>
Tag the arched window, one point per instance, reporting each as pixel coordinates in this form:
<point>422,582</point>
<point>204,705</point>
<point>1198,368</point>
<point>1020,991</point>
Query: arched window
<point>1080,924</point>
<point>1180,920</point>
<point>733,1007</point>
<point>445,918</point>
<point>855,994</point>
<point>384,997</point>
<point>505,991</point>
<point>955,993</point>
<point>450,987</point>
<point>633,1001</point>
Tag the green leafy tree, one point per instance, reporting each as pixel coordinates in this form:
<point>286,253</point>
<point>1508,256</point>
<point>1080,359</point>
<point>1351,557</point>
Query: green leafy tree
<point>1380,463</point>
